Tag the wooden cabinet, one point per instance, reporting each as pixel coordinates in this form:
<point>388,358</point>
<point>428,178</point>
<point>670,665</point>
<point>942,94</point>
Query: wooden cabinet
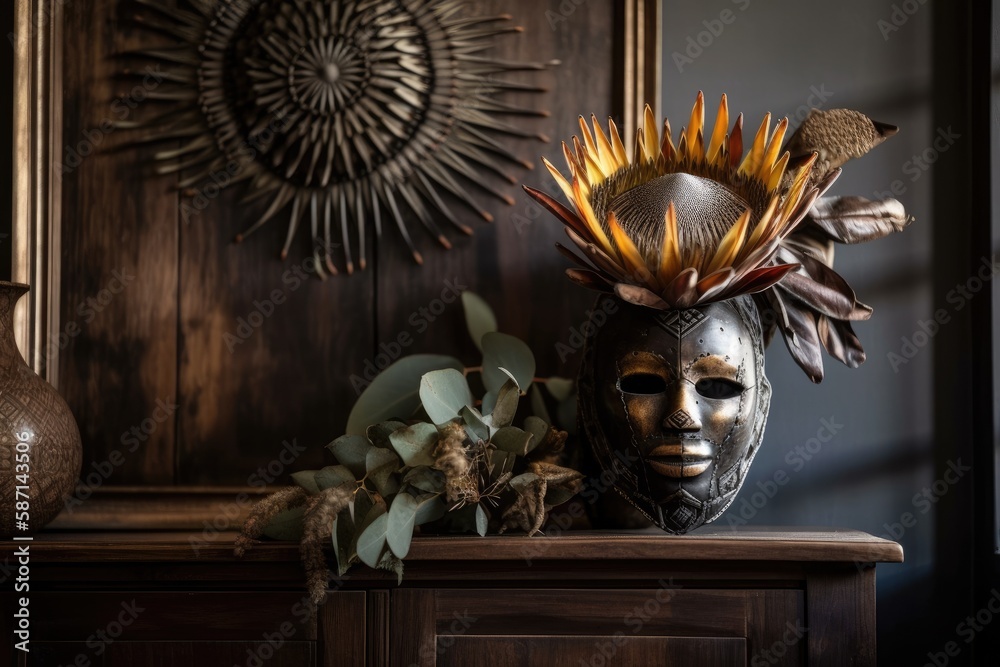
<point>597,599</point>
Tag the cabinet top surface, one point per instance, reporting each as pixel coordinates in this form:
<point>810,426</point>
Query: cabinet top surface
<point>708,543</point>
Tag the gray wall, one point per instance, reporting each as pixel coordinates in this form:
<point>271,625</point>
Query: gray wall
<point>778,56</point>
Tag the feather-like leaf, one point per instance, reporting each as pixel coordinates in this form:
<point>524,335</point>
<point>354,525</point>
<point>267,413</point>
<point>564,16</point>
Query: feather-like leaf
<point>856,219</point>
<point>640,296</point>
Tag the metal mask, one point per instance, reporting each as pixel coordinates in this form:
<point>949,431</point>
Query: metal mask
<point>674,404</point>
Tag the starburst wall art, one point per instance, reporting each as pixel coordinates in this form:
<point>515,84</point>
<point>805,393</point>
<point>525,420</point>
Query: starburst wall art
<point>340,115</point>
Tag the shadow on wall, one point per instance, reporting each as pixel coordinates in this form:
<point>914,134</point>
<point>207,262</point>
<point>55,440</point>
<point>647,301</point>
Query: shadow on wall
<point>855,451</point>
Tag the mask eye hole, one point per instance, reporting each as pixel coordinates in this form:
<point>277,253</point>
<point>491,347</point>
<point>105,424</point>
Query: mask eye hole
<point>718,388</point>
<point>643,384</point>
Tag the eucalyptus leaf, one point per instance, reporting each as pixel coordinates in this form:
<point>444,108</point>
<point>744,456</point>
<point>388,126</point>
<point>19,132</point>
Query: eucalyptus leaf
<point>395,391</point>
<point>501,462</point>
<point>372,540</point>
<point>430,507</point>
<point>333,476</point>
<point>381,464</point>
<point>506,405</point>
<point>479,317</point>
<point>475,427</point>
<point>489,401</point>
<point>512,439</point>
<point>378,434</point>
<point>537,427</point>
<point>482,521</point>
<point>287,525</point>
<point>343,537</point>
<point>443,394</point>
<point>510,353</point>
<point>425,479</point>
<point>366,510</point>
<point>538,404</point>
<point>307,480</point>
<point>560,388</point>
<point>402,517</point>
<point>415,443</point>
<point>351,451</point>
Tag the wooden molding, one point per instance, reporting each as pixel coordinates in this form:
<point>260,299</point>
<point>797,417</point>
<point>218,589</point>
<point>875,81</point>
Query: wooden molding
<point>37,147</point>
<point>643,57</point>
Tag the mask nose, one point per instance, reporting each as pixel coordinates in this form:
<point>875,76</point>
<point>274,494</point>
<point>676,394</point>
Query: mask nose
<point>681,422</point>
<point>681,410</point>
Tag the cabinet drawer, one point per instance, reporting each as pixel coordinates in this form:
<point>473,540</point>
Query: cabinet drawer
<point>657,626</point>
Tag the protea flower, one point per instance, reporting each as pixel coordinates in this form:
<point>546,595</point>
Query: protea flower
<point>684,224</point>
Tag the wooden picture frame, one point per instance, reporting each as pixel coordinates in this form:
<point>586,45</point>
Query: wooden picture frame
<point>38,143</point>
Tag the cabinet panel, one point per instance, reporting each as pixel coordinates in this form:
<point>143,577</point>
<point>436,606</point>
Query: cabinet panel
<point>272,651</point>
<point>444,627</point>
<point>608,651</point>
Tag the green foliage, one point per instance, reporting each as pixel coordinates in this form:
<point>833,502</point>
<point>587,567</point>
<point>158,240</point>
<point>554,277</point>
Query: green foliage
<point>463,471</point>
<point>394,393</point>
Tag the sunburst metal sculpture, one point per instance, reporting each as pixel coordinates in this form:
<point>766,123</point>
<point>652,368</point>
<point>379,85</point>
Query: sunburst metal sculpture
<point>344,113</point>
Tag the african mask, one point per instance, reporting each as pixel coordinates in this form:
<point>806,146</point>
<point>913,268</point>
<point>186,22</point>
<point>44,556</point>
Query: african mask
<point>710,250</point>
<point>674,403</point>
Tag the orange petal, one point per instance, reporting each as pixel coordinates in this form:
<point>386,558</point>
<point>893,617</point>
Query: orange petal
<point>773,150</point>
<point>632,258</point>
<point>751,164</point>
<point>616,142</point>
<point>697,123</point>
<point>670,252</point>
<point>587,213</point>
<point>609,162</point>
<point>736,142</point>
<point>651,136</point>
<point>721,127</point>
<point>667,145</point>
<point>564,185</point>
<point>731,244</point>
<point>777,173</point>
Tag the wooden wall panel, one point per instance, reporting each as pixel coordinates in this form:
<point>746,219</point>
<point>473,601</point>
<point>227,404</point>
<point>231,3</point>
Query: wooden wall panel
<point>164,337</point>
<point>285,383</point>
<point>512,262</point>
<point>117,344</point>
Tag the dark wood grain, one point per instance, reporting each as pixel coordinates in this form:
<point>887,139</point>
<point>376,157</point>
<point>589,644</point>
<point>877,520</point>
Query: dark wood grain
<point>775,623</point>
<point>512,262</point>
<point>378,629</point>
<point>663,611</point>
<point>148,616</point>
<point>412,619</point>
<point>288,381</point>
<point>609,651</point>
<point>118,315</point>
<point>841,604</point>
<point>341,628</point>
<point>763,545</point>
<point>221,654</point>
